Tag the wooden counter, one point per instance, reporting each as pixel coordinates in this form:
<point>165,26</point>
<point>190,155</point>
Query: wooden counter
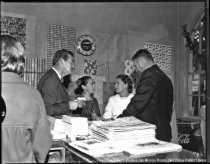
<point>68,154</point>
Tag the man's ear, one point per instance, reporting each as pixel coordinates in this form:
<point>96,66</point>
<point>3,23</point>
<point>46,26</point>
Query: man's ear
<point>141,61</point>
<point>61,61</point>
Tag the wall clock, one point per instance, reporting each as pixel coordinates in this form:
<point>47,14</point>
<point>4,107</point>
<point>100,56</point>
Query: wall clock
<point>86,45</point>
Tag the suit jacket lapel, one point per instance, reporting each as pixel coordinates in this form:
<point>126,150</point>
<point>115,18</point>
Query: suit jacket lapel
<point>61,84</point>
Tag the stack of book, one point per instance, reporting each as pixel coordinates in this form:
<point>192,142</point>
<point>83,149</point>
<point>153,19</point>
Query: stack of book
<point>75,126</point>
<point>126,128</point>
<point>56,127</point>
<point>68,126</point>
<point>127,135</point>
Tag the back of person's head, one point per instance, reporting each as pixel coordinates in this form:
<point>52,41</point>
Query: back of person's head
<point>64,54</point>
<point>81,81</point>
<point>126,80</point>
<point>144,53</point>
<point>12,59</point>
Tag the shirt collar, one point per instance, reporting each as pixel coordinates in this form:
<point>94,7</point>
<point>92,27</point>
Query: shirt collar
<point>59,75</point>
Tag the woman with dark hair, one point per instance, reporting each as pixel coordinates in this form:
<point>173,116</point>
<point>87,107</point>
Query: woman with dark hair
<point>119,102</point>
<point>86,89</point>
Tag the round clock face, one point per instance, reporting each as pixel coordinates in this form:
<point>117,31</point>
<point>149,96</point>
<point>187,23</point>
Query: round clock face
<point>86,45</point>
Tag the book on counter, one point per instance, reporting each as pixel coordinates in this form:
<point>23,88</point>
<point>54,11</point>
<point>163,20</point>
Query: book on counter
<point>123,124</point>
<point>56,127</point>
<point>74,120</point>
<point>125,128</point>
<point>152,148</point>
<point>133,148</point>
<point>75,126</point>
<point>71,126</point>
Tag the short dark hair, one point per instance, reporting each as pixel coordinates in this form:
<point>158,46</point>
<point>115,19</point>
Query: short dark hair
<point>143,53</point>
<point>64,54</point>
<point>126,80</point>
<point>12,59</point>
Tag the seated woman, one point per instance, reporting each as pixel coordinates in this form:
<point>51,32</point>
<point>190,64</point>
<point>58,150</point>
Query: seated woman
<point>119,102</point>
<point>86,89</point>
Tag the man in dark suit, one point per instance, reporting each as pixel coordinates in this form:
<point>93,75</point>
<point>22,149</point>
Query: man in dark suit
<point>56,98</point>
<point>153,100</point>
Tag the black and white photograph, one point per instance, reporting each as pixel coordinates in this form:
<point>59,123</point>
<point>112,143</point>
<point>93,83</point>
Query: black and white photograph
<point>108,82</point>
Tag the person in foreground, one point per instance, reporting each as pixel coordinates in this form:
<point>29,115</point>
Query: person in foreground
<point>86,89</point>
<point>56,98</point>
<point>119,102</point>
<point>25,131</point>
<point>153,100</point>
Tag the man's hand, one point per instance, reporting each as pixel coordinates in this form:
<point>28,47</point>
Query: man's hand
<point>73,105</point>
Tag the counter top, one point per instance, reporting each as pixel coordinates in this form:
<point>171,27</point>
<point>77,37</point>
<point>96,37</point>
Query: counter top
<point>75,155</point>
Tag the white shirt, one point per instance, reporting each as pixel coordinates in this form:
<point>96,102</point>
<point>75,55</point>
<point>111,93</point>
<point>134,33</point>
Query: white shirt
<point>59,75</point>
<point>116,105</point>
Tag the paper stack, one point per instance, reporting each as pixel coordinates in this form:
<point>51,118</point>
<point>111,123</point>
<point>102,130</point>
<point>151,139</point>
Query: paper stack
<point>95,147</point>
<point>127,135</point>
<point>139,148</point>
<point>75,126</point>
<point>56,127</point>
<point>126,128</point>
<point>151,148</point>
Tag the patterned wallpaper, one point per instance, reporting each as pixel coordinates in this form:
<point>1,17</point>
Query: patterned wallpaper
<point>15,27</point>
<point>161,55</point>
<point>59,37</point>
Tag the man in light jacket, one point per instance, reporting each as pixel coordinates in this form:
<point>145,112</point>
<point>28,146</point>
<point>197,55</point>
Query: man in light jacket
<point>25,129</point>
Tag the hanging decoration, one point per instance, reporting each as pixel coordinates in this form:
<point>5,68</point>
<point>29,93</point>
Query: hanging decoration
<point>191,44</point>
<point>90,67</point>
<point>129,67</point>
